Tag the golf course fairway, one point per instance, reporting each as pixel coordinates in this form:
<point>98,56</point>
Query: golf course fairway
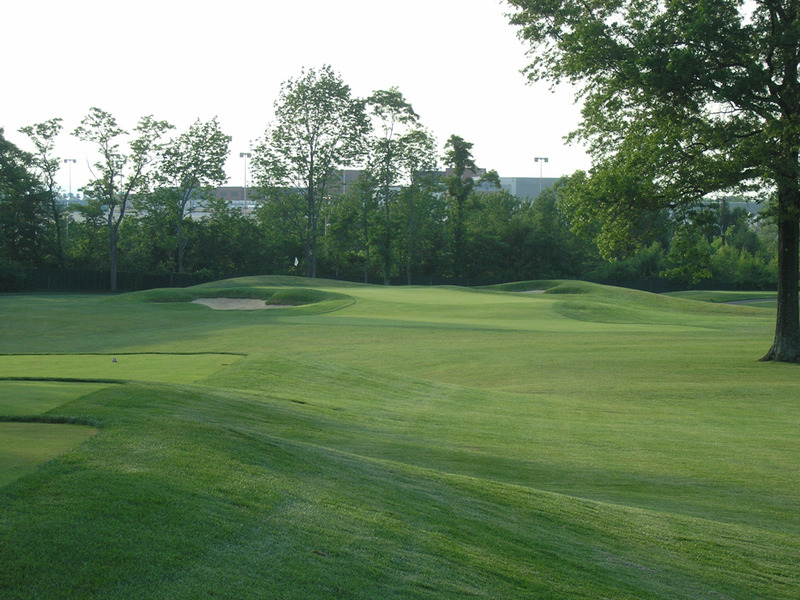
<point>536,440</point>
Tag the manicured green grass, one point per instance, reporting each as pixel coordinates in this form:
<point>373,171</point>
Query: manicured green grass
<point>30,398</point>
<point>25,446</point>
<point>170,368</point>
<point>760,299</point>
<point>584,442</point>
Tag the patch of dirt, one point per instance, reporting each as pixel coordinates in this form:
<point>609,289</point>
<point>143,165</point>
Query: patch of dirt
<point>235,303</point>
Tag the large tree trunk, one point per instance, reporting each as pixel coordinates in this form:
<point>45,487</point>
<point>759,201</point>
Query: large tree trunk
<point>57,222</point>
<point>181,241</point>
<point>310,225</point>
<point>387,241</point>
<point>786,346</point>
<point>181,244</point>
<point>112,249</point>
<point>307,251</point>
<point>365,226</point>
<point>410,249</point>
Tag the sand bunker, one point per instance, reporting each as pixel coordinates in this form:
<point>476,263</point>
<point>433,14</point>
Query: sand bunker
<point>235,303</point>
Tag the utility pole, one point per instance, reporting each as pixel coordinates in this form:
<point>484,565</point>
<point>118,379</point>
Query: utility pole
<point>245,156</point>
<point>541,160</point>
<point>70,162</point>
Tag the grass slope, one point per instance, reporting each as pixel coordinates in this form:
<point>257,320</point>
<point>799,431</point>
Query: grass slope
<point>583,442</point>
<point>25,446</point>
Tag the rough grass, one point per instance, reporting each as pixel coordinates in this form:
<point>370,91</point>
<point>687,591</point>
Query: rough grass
<point>412,443</point>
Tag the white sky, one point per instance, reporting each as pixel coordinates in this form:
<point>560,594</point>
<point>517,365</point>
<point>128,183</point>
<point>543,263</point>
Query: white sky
<point>456,61</point>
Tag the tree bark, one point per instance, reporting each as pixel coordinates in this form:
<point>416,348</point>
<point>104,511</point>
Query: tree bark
<point>365,224</point>
<point>786,346</point>
<point>57,222</point>
<point>410,249</point>
<point>310,223</point>
<point>112,248</point>
<point>387,241</point>
<point>181,212</point>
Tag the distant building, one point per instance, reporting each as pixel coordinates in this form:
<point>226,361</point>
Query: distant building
<point>245,200</point>
<point>236,196</point>
<point>522,187</point>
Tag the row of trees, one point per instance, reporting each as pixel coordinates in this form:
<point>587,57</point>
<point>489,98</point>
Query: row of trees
<point>319,128</point>
<point>426,227</point>
<point>159,177</point>
<point>401,218</point>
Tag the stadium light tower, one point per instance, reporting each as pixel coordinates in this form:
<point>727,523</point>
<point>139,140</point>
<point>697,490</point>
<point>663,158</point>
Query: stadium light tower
<point>70,162</point>
<point>541,160</point>
<point>245,156</point>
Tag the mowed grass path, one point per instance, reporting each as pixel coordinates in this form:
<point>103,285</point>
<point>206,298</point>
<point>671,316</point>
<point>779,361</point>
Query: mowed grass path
<point>386,442</point>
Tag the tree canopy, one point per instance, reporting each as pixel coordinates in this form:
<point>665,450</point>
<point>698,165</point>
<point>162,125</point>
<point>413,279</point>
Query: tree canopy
<point>120,175</point>
<point>23,208</point>
<point>681,100</point>
<point>319,128</point>
<point>192,163</point>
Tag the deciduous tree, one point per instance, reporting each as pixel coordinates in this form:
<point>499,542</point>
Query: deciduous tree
<point>460,184</point>
<point>685,98</point>
<point>319,128</point>
<point>192,164</point>
<point>43,135</point>
<point>119,175</point>
<point>395,120</point>
<point>418,160</point>
<point>23,212</point>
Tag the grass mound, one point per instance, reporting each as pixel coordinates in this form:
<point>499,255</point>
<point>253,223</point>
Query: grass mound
<point>525,286</point>
<point>591,302</point>
<point>247,288</point>
<point>724,296</point>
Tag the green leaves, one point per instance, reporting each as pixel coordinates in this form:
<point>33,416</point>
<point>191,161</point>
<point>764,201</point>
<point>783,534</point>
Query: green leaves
<point>196,158</point>
<point>319,128</point>
<point>23,219</point>
<point>120,174</point>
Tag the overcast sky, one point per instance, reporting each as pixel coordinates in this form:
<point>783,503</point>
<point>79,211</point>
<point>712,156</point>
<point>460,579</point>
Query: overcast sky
<point>456,61</point>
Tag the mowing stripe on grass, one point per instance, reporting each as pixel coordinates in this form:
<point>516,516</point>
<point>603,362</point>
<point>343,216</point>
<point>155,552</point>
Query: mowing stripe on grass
<point>114,367</point>
<point>25,446</point>
<point>28,398</point>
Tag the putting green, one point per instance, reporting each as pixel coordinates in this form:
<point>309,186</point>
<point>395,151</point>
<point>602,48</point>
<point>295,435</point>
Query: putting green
<point>30,398</point>
<point>25,446</point>
<point>163,368</point>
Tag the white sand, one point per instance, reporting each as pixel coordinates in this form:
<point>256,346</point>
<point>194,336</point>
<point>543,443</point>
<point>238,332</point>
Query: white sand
<point>235,303</point>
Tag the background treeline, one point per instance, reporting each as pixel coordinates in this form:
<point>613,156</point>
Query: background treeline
<point>404,220</point>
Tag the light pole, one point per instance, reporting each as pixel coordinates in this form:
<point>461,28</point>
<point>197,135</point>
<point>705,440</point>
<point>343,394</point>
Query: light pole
<point>245,156</point>
<point>70,162</point>
<point>541,160</point>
